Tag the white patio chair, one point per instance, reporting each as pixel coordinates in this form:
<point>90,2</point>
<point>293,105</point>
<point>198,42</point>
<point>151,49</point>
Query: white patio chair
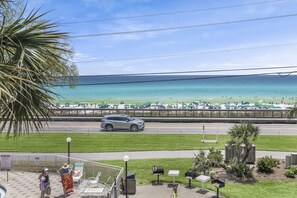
<point>94,180</point>
<point>78,172</point>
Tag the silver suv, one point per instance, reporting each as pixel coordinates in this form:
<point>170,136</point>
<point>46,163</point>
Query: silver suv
<point>110,122</point>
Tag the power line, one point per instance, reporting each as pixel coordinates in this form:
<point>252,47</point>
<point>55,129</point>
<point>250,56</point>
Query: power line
<point>196,71</point>
<point>170,13</point>
<point>182,27</point>
<point>183,79</point>
<point>185,54</point>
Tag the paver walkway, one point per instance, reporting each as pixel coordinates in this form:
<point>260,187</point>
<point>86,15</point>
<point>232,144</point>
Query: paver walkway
<point>26,185</point>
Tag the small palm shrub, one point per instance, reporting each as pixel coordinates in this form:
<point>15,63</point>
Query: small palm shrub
<point>215,157</point>
<point>240,169</point>
<point>266,164</point>
<point>201,164</point>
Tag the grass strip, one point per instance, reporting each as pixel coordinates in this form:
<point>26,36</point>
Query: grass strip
<point>109,142</point>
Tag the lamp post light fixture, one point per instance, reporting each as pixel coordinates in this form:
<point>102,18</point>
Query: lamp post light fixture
<point>126,159</point>
<point>68,140</point>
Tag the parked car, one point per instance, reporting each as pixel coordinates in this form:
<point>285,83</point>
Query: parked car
<point>111,122</point>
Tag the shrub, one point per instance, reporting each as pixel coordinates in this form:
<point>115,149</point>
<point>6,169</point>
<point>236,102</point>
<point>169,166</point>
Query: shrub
<point>266,164</point>
<point>293,168</point>
<point>240,169</point>
<point>201,163</point>
<point>290,173</point>
<point>215,157</point>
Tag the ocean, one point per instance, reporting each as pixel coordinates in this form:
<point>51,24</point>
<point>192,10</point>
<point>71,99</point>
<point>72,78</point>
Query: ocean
<point>96,89</point>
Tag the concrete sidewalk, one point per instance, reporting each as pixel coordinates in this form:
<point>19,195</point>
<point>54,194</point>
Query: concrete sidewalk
<point>161,154</point>
<point>150,154</point>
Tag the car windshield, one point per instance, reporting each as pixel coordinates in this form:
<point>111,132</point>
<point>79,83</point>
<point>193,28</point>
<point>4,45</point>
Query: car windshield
<point>130,119</point>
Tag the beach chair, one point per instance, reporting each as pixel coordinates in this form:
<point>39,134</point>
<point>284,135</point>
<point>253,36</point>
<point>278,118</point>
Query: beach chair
<point>78,172</point>
<point>96,191</point>
<point>94,180</point>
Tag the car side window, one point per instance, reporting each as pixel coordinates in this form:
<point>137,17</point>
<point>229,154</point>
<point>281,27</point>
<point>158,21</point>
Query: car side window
<point>113,118</point>
<point>122,119</point>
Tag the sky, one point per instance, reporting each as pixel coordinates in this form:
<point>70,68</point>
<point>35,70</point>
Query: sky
<point>200,48</point>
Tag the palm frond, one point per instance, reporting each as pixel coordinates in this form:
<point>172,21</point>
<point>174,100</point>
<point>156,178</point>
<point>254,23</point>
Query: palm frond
<point>33,56</point>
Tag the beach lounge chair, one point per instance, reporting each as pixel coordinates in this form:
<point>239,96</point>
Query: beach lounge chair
<point>78,172</point>
<point>94,180</point>
<point>103,190</point>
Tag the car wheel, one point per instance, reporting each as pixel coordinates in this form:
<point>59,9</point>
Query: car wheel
<point>109,127</point>
<point>134,128</point>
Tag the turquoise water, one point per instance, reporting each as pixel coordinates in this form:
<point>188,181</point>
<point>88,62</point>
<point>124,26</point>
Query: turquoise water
<point>267,88</point>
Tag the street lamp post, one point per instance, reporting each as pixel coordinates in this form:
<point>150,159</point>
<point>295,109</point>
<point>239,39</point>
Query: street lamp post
<point>68,140</point>
<point>126,159</point>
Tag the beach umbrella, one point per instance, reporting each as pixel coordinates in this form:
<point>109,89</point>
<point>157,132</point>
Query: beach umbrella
<point>103,105</point>
<point>196,102</point>
<point>132,105</point>
<point>147,104</point>
<point>257,104</point>
<point>139,106</point>
<point>153,106</point>
<point>210,107</point>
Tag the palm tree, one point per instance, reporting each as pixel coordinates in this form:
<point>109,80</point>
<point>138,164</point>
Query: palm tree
<point>244,133</point>
<point>33,57</point>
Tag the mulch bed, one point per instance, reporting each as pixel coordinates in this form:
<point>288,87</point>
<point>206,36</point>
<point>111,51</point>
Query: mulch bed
<point>277,175</point>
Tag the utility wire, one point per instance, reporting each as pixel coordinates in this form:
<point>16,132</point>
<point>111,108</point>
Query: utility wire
<point>182,79</point>
<point>170,13</point>
<point>182,27</point>
<point>196,71</point>
<point>185,54</point>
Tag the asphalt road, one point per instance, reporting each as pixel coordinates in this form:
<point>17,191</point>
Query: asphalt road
<point>170,128</point>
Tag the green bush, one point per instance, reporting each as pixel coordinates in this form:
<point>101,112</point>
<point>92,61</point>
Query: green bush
<point>293,168</point>
<point>290,173</point>
<point>240,169</point>
<point>215,157</point>
<point>266,164</point>
<point>201,164</point>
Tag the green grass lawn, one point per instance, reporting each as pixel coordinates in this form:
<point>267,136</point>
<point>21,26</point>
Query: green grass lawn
<point>272,189</point>
<point>56,142</point>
